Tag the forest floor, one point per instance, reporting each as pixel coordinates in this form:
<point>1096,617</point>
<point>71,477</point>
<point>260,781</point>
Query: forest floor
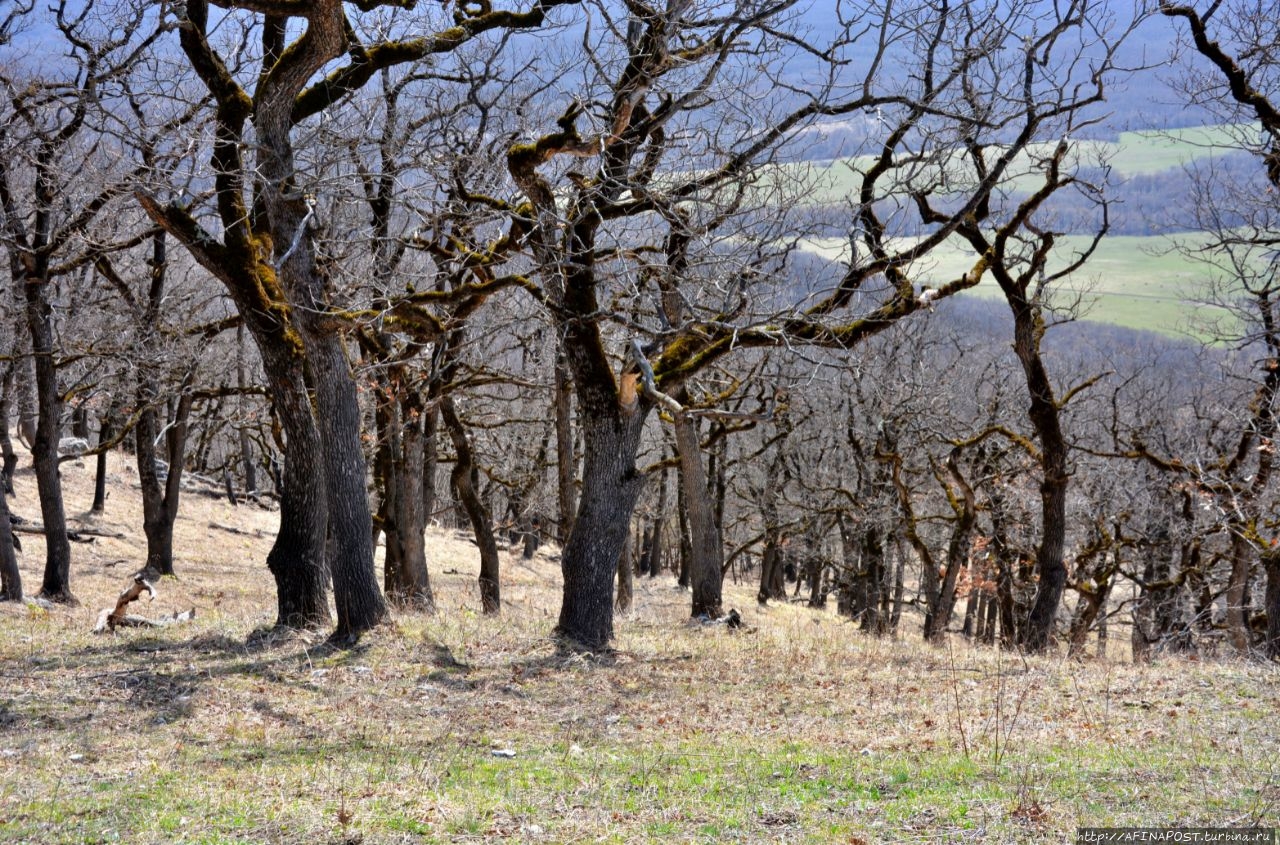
<point>463,728</point>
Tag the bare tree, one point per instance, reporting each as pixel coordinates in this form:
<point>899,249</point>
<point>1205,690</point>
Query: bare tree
<point>1244,234</point>
<point>664,64</point>
<point>49,214</point>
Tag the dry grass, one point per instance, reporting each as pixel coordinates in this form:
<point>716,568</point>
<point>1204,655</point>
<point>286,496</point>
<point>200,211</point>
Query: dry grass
<point>800,730</point>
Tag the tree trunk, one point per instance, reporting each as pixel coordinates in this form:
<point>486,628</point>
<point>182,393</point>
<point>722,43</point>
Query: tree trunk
<point>1238,633</point>
<point>850,597</point>
<point>610,487</point>
<point>686,534</point>
<point>654,550</point>
<point>159,504</point>
<point>813,567</point>
<point>464,481</point>
<point>248,467</point>
<point>297,559</point>
<point>566,460</point>
<point>870,581</point>
<point>356,595</point>
<point>359,603</point>
<point>971,604</point>
<point>1271,563</point>
<point>56,586</point>
<point>957,554</point>
<point>770,571</point>
<point>626,577</point>
<point>1044,413</point>
<point>160,499</point>
<point>707,565</point>
<point>10,575</point>
<point>106,431</point>
<point>402,511</point>
<point>899,591</point>
<point>1090,605</point>
<point>1038,633</point>
<point>10,457</point>
<point>430,461</point>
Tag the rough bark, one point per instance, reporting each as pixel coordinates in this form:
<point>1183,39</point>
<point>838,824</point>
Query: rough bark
<point>610,486</point>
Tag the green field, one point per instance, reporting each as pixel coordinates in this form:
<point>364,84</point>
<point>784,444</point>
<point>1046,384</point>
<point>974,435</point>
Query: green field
<point>1134,282</point>
<point>1145,153</point>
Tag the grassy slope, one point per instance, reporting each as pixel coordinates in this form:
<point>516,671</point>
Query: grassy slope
<point>1132,281</point>
<point>800,730</point>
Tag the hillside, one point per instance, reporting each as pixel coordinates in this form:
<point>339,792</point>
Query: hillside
<point>797,729</point>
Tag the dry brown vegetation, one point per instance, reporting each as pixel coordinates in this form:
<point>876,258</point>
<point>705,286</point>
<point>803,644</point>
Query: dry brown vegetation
<point>798,729</point>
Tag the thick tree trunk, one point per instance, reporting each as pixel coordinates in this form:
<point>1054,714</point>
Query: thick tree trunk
<point>464,481</point>
<point>610,487</point>
<point>297,559</point>
<point>813,567</point>
<point>56,586</point>
<point>358,601</point>
<point>337,419</point>
<point>410,515</point>
<point>10,575</point>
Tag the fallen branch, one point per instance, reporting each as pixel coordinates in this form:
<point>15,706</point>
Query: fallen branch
<point>231,529</point>
<point>109,619</point>
<point>79,535</point>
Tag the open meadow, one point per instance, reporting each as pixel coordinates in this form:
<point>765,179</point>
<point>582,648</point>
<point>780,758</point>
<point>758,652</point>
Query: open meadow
<point>1133,282</point>
<point>463,728</point>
